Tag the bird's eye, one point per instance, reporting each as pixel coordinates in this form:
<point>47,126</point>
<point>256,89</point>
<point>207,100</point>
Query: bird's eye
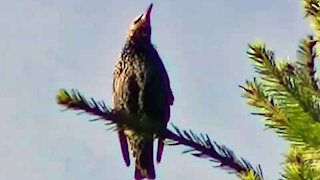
<point>138,19</point>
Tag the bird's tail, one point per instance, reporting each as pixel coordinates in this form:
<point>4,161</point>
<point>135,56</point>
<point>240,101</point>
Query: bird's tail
<point>124,147</point>
<point>160,150</point>
<point>166,118</point>
<point>144,161</point>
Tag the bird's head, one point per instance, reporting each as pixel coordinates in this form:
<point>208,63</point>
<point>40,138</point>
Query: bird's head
<point>140,28</point>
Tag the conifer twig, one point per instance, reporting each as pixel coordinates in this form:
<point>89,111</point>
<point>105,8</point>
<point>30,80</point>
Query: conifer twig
<point>291,90</point>
<point>200,146</point>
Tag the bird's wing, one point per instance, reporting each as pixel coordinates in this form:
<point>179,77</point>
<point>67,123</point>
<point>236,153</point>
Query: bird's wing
<point>159,91</point>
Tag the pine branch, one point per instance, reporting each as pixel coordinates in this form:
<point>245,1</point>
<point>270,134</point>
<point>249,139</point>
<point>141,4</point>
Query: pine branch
<point>275,118</point>
<point>200,146</point>
<point>306,55</point>
<point>74,100</point>
<point>311,7</point>
<point>298,167</point>
<point>312,11</point>
<point>203,147</point>
<point>293,106</point>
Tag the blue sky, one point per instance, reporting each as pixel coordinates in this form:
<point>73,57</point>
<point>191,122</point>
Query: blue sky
<point>49,44</point>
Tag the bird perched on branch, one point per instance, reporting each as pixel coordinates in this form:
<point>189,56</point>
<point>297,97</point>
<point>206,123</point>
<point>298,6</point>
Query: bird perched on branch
<point>141,91</point>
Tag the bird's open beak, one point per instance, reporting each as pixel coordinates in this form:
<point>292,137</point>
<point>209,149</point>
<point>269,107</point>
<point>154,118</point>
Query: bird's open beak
<point>148,12</point>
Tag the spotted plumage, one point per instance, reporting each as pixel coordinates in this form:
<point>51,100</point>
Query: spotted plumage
<point>141,90</point>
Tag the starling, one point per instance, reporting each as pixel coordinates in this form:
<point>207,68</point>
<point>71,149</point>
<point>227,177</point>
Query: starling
<point>141,91</point>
